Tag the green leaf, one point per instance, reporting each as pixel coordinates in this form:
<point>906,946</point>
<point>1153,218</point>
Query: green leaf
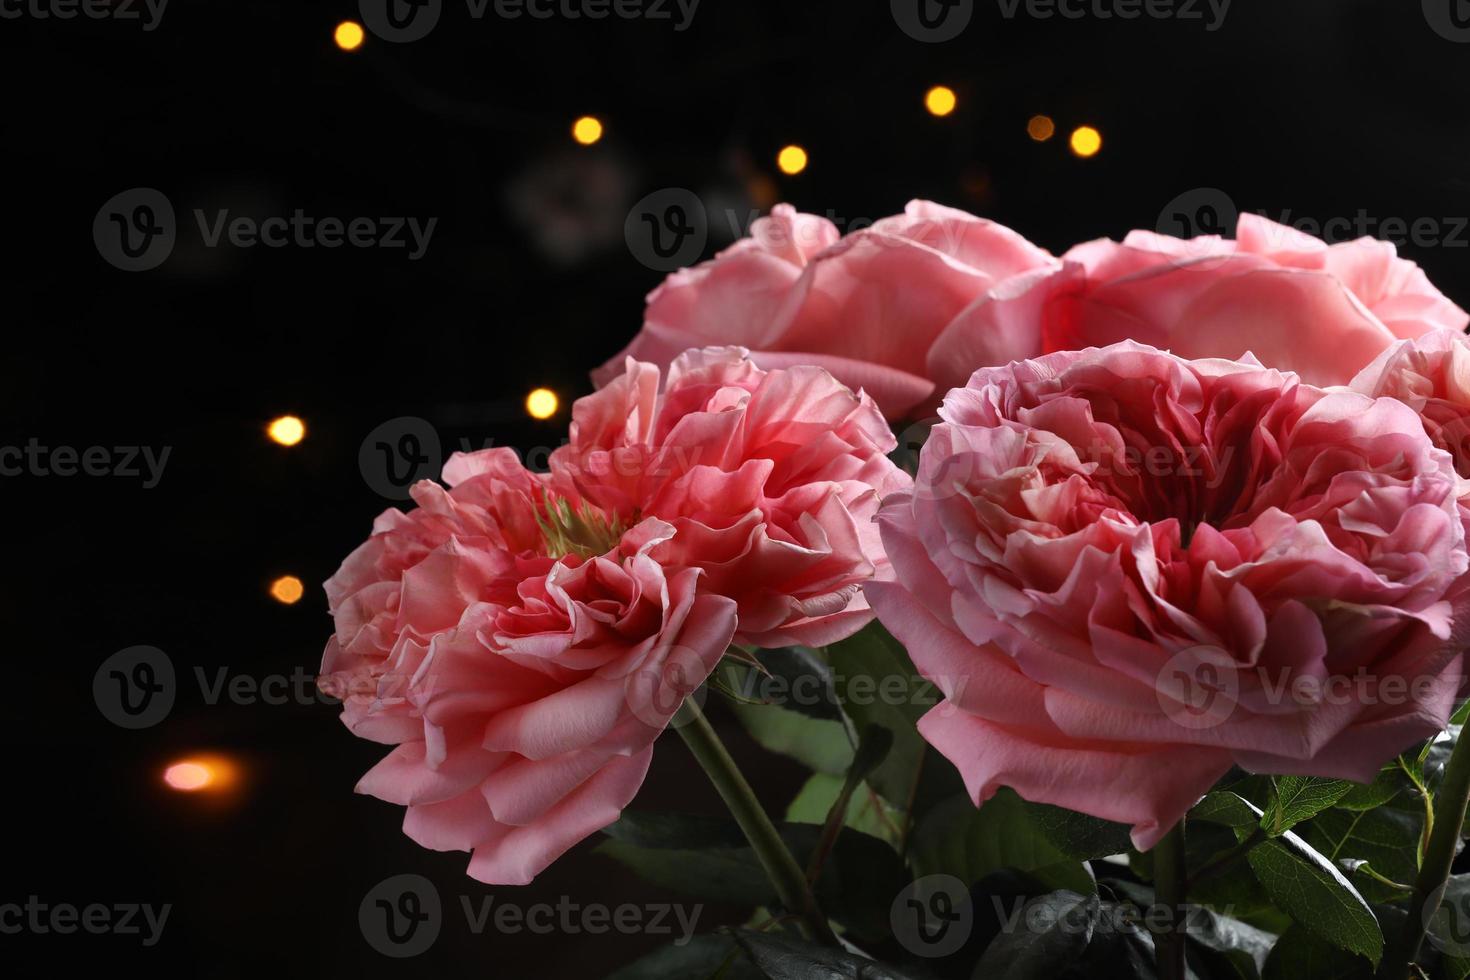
<point>702,958</point>
<point>1078,835</point>
<point>1389,783</point>
<point>1230,936</point>
<point>1299,798</point>
<point>874,745</point>
<point>708,858</point>
<point>866,811</point>
<point>822,746</point>
<point>785,958</point>
<point>955,838</point>
<point>1310,889</point>
<point>877,684</point>
<point>1048,936</point>
<point>797,679</point>
<point>1299,955</point>
<point>1461,715</point>
<point>1387,839</point>
<point>1226,808</point>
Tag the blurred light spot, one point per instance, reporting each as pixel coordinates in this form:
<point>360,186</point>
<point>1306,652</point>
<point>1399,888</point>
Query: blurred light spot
<point>287,430</point>
<point>1086,141</point>
<point>792,160</point>
<point>287,590</point>
<point>940,100</point>
<point>349,35</point>
<point>1041,128</point>
<point>763,192</point>
<point>587,130</point>
<point>202,773</point>
<point>188,776</point>
<point>542,403</point>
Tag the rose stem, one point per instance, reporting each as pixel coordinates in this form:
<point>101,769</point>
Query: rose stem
<point>1169,876</point>
<point>785,874</point>
<point>1449,817</point>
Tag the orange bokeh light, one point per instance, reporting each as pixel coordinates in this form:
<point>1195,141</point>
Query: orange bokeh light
<point>201,774</point>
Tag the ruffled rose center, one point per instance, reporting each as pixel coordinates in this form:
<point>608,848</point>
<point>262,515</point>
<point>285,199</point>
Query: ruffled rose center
<point>579,529</point>
<point>1144,458</point>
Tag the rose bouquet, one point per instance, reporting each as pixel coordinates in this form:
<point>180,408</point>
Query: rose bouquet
<point>1146,663</point>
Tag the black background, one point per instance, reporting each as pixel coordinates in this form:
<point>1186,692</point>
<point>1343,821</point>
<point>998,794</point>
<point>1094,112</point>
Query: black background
<point>1325,108</point>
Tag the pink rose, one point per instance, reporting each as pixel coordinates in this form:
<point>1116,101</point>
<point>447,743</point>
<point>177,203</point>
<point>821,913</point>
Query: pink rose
<point>867,307</point>
<point>523,640</point>
<point>770,479</point>
<point>1432,376</point>
<point>1129,572</point>
<point>418,573</point>
<point>1291,300</point>
<point>536,714</point>
<point>522,682</point>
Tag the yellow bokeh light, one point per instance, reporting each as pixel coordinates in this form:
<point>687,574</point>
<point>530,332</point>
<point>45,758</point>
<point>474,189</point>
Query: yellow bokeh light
<point>287,430</point>
<point>587,130</point>
<point>287,590</point>
<point>542,403</point>
<point>792,160</point>
<point>349,35</point>
<point>1040,128</point>
<point>940,100</point>
<point>1086,141</point>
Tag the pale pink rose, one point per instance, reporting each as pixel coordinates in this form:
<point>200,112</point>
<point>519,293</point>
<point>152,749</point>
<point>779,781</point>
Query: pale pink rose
<point>771,480</point>
<point>1129,572</point>
<point>1432,376</point>
<point>1294,302</point>
<point>536,714</point>
<point>867,307</point>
